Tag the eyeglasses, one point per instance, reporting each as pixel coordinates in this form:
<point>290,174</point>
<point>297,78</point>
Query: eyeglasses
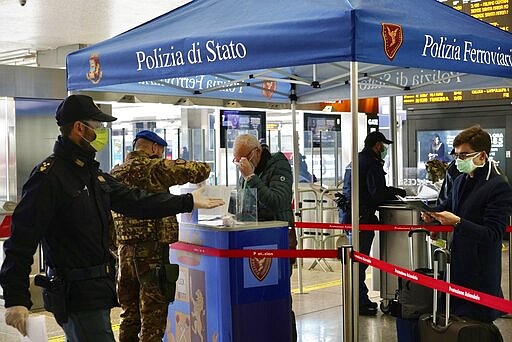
<point>94,124</point>
<point>248,157</point>
<point>464,155</point>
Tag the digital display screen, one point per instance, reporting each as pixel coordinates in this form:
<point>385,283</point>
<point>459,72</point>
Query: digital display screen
<point>319,129</point>
<point>439,143</point>
<point>235,122</point>
<point>494,12</point>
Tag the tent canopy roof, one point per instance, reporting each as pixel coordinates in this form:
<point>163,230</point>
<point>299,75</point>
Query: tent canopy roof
<point>254,50</point>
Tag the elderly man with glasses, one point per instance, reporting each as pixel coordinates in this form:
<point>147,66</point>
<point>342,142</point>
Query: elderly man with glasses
<point>478,207</point>
<point>271,175</point>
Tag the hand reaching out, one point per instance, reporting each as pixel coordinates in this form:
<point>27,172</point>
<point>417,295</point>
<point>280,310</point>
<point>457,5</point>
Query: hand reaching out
<point>201,201</point>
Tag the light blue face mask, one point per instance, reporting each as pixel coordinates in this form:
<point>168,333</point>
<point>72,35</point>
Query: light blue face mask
<point>467,165</point>
<point>384,152</point>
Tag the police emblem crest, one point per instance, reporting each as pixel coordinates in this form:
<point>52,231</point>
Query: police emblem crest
<point>392,36</point>
<point>94,74</point>
<point>268,88</point>
<point>260,267</point>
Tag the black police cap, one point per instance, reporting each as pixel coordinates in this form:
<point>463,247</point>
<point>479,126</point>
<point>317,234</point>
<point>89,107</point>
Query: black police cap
<point>80,107</point>
<point>374,137</point>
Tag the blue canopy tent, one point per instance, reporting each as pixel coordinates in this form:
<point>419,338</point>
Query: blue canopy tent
<point>299,51</point>
<point>213,48</point>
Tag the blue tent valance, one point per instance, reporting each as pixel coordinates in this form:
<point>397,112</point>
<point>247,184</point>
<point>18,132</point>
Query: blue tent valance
<point>212,48</point>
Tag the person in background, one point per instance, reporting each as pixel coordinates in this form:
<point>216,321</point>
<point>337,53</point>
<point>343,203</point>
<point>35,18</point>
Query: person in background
<point>304,175</point>
<point>437,150</point>
<point>478,207</point>
<point>451,173</point>
<point>143,245</point>
<point>271,175</point>
<point>66,206</point>
<point>264,144</point>
<point>372,193</point>
<point>184,153</point>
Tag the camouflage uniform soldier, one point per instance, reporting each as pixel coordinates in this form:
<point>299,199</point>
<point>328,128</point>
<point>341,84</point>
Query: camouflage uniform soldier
<point>143,245</point>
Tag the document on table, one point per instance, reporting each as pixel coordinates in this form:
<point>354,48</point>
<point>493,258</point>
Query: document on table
<point>36,329</point>
<point>417,204</point>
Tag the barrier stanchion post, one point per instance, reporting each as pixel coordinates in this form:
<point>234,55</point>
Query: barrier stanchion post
<point>344,253</point>
<point>510,260</point>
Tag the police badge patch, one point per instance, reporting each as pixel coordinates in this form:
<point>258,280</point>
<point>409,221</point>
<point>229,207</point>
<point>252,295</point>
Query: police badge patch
<point>392,36</point>
<point>260,267</point>
<point>94,74</point>
<point>268,88</point>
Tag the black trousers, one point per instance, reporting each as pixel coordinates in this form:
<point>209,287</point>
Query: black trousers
<point>91,325</point>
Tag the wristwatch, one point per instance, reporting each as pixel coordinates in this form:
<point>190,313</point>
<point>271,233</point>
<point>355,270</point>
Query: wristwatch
<point>457,223</point>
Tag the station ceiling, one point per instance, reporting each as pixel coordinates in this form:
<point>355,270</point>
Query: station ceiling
<point>47,25</point>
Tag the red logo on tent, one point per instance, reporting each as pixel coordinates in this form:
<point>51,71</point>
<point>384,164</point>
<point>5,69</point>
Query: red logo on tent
<point>95,74</point>
<point>269,88</point>
<point>393,37</point>
<point>260,267</point>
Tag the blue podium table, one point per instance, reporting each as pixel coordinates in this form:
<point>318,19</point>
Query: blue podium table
<point>231,299</point>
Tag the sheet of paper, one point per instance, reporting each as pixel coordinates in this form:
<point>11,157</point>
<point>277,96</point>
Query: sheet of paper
<point>416,204</point>
<point>36,329</point>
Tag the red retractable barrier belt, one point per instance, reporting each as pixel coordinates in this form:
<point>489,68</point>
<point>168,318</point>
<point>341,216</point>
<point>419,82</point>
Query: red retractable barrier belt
<point>383,227</point>
<point>254,253</point>
<point>455,290</point>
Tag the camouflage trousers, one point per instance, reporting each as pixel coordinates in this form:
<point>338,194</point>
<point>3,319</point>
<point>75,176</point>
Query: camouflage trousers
<point>144,308</point>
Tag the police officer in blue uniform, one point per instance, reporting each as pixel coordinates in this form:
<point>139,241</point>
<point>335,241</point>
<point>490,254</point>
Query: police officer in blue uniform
<point>66,206</point>
<point>372,193</point>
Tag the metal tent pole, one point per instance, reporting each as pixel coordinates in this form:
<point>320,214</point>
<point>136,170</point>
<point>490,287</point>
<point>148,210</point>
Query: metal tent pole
<point>296,207</point>
<point>347,292</point>
<point>355,191</point>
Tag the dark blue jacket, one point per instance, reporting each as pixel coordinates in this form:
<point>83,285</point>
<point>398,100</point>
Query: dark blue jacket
<point>66,206</point>
<point>484,206</point>
<point>372,182</point>
<point>446,187</point>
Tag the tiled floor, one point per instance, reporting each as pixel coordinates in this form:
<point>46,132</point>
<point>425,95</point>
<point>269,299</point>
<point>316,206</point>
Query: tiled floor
<point>318,310</point>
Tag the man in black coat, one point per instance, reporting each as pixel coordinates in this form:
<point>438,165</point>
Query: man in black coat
<point>66,206</point>
<point>372,193</point>
<point>478,207</point>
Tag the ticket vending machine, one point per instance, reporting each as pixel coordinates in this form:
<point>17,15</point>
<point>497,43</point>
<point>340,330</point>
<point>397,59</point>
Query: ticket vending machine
<point>231,299</point>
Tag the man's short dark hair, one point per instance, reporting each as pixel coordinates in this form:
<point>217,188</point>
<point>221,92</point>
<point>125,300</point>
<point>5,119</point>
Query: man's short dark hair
<point>65,129</point>
<point>476,137</point>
